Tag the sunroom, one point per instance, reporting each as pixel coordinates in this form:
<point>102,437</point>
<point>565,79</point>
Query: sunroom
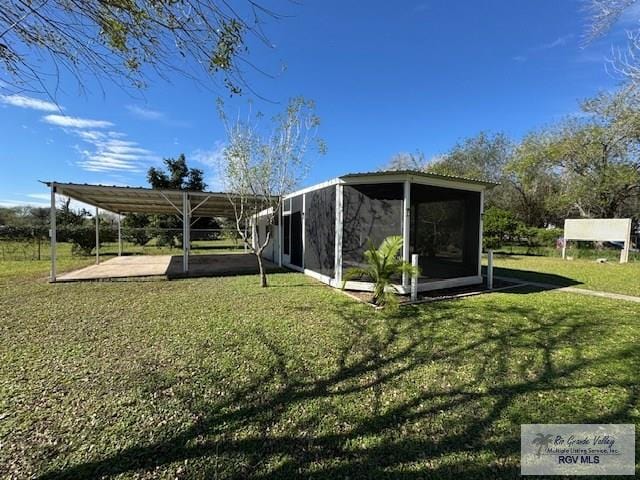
<point>324,230</point>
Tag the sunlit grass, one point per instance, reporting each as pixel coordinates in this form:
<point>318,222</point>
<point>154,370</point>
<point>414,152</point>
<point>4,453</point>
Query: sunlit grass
<point>583,273</point>
<point>218,378</point>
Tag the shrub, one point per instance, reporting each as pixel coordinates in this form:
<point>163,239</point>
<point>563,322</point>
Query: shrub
<point>136,228</point>
<point>499,224</point>
<point>381,265</point>
<point>491,242</point>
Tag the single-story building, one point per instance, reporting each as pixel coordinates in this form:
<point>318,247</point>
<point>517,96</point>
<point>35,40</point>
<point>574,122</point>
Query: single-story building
<point>324,229</point>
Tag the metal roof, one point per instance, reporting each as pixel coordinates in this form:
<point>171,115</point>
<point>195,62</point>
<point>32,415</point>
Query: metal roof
<point>419,173</point>
<point>147,200</point>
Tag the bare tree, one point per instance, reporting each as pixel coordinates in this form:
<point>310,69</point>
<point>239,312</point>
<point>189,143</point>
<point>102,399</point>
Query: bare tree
<point>623,61</point>
<point>261,164</point>
<point>125,40</point>
<point>406,161</point>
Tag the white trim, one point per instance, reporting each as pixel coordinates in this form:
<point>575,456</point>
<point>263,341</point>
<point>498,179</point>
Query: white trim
<point>449,283</point>
<point>453,184</point>
<point>97,237</point>
<point>480,227</point>
<point>422,287</point>
<point>318,276</point>
<point>119,235</point>
<point>266,211</point>
<point>414,277</point>
<point>304,227</point>
<point>406,227</point>
<point>311,188</point>
<point>186,227</point>
<point>490,269</point>
<point>624,254</point>
<point>401,177</point>
<point>280,235</point>
<point>53,233</point>
<point>338,233</point>
<point>293,267</point>
<point>368,286</point>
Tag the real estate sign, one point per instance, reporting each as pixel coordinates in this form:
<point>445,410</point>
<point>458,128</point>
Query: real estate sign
<point>599,230</point>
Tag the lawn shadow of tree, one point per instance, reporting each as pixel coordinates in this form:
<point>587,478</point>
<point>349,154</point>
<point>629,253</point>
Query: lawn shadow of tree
<point>258,431</point>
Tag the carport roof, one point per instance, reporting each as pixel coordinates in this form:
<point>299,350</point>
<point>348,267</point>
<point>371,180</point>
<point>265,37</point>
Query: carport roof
<point>147,200</point>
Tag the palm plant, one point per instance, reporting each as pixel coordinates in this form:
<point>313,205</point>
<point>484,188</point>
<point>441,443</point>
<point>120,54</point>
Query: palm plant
<point>381,265</point>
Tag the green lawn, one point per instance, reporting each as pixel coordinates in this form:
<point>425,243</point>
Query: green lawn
<point>582,273</point>
<point>18,251</point>
<point>217,378</point>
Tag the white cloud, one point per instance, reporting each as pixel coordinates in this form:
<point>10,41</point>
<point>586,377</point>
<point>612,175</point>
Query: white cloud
<point>145,113</point>
<point>91,135</point>
<point>149,114</point>
<point>558,42</point>
<point>23,101</point>
<point>114,154</point>
<point>40,196</point>
<point>76,122</point>
<point>21,203</point>
<point>211,157</point>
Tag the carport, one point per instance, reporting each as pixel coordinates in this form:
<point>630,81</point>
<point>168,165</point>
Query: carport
<point>186,205</point>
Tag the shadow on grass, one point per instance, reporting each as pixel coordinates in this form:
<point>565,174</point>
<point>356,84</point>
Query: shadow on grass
<point>219,265</point>
<point>532,276</point>
<point>441,429</point>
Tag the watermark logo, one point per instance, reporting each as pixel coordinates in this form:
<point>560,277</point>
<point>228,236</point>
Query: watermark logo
<point>574,449</point>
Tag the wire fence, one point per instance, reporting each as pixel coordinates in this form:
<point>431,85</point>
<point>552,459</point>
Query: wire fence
<point>33,243</point>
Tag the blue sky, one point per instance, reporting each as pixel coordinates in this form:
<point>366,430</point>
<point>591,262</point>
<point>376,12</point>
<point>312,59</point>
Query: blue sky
<point>387,77</point>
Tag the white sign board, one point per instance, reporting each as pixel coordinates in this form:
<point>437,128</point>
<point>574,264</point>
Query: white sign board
<point>599,230</point>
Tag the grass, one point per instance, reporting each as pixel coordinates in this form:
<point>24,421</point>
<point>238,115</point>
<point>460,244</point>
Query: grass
<point>575,251</point>
<point>217,378</point>
<point>28,251</point>
<point>583,273</point>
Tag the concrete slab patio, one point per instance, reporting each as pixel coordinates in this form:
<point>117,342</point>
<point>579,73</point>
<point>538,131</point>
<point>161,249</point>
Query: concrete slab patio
<point>168,266</point>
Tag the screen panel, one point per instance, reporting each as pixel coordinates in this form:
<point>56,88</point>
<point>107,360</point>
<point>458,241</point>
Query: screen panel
<point>320,230</point>
<point>371,213</point>
<point>444,231</point>
<point>286,237</point>
<point>295,231</point>
<point>296,239</point>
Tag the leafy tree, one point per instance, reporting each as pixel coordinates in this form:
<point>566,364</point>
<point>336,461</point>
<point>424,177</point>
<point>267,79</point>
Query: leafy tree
<point>481,157</point>
<point>597,157</point>
<point>499,223</point>
<point>125,40</point>
<point>382,265</point>
<point>259,166</point>
<point>177,176</point>
<point>135,228</point>
<point>535,183</point>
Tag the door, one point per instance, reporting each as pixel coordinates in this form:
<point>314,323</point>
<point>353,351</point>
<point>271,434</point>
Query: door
<point>296,239</point>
